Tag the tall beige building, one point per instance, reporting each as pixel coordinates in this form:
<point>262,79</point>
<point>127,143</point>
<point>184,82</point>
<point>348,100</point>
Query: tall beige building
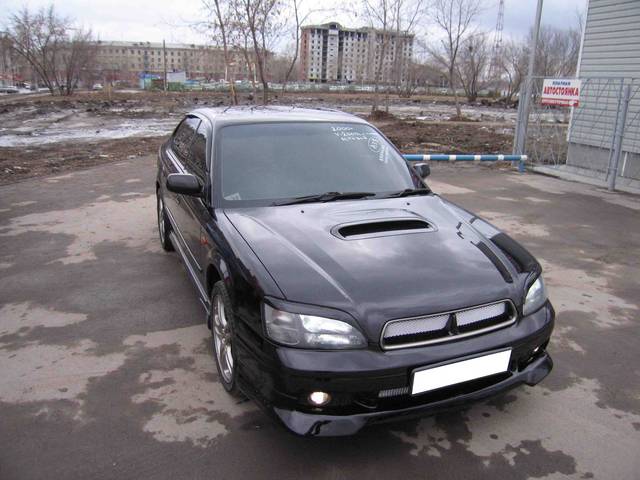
<point>330,53</point>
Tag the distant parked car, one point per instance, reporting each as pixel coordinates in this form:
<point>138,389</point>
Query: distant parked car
<point>9,89</point>
<point>338,288</point>
<point>97,86</point>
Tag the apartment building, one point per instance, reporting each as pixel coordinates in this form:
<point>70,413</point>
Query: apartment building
<point>127,61</point>
<point>331,53</point>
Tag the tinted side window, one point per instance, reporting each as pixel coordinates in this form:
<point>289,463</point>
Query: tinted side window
<point>198,159</point>
<point>181,140</point>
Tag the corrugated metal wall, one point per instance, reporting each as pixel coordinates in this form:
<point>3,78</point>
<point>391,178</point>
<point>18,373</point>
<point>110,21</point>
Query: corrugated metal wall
<point>612,39</point>
<point>611,48</point>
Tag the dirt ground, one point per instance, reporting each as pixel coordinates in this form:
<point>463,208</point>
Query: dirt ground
<point>446,137</point>
<point>42,135</point>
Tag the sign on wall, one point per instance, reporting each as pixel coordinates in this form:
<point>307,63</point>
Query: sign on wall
<point>560,91</point>
<point>176,77</point>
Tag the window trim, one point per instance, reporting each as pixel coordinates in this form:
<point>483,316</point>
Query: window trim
<point>208,174</point>
<point>173,150</point>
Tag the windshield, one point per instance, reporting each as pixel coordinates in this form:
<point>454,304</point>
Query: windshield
<point>265,162</point>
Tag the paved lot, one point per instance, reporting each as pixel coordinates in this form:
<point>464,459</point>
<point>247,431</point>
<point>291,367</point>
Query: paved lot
<point>106,369</point>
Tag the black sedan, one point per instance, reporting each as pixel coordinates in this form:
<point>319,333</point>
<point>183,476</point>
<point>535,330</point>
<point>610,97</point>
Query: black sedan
<point>339,290</point>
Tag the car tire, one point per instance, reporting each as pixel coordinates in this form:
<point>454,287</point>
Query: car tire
<point>164,226</point>
<point>223,338</point>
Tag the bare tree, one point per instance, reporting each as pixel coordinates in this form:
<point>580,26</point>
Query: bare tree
<point>379,13</point>
<point>472,65</point>
<point>242,43</point>
<point>513,65</point>
<point>262,22</point>
<point>280,67</point>
<point>294,58</point>
<point>415,77</point>
<point>393,22</point>
<point>300,16</point>
<point>77,59</point>
<point>556,56</point>
<point>455,20</point>
<point>557,52</point>
<point>57,53</point>
<point>221,21</point>
<point>407,14</point>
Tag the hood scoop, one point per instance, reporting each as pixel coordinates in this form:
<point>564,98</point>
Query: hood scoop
<point>381,228</point>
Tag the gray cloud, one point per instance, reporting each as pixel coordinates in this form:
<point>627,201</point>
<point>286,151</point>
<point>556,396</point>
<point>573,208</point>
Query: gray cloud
<point>155,20</point>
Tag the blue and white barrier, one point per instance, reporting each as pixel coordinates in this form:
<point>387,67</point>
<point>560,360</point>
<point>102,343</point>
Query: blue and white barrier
<point>521,159</point>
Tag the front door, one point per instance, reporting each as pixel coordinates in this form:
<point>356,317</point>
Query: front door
<point>179,206</point>
<point>196,211</point>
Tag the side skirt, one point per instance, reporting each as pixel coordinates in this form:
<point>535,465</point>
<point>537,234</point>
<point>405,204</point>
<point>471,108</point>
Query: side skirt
<point>202,293</point>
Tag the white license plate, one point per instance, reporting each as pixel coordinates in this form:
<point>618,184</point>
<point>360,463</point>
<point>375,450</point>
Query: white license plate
<point>458,372</point>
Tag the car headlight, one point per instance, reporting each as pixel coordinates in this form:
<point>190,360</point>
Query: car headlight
<point>309,331</point>
<point>536,296</point>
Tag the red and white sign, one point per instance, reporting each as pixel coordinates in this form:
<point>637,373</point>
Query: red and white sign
<point>562,92</point>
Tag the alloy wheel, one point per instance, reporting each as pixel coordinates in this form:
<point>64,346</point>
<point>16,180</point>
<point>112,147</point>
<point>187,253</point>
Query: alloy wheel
<point>222,339</point>
<point>161,219</point>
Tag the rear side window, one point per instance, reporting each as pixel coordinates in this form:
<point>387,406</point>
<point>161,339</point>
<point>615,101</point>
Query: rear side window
<point>198,159</point>
<point>181,140</point>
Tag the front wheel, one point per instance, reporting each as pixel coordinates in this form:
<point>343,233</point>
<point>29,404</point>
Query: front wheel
<point>223,335</point>
<point>164,227</point>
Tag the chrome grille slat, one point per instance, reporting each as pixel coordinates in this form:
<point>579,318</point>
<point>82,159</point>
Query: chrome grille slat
<point>418,325</point>
<point>447,326</point>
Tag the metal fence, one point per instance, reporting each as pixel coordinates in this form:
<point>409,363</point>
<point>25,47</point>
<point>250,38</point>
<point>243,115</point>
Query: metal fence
<point>600,138</point>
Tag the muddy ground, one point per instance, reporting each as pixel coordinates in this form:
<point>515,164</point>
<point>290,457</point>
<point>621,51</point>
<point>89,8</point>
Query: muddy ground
<point>44,135</point>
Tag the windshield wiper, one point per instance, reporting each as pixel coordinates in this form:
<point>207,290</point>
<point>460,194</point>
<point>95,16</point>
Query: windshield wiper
<point>409,191</point>
<point>324,197</point>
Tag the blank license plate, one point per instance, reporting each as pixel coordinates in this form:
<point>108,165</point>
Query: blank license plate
<point>458,372</point>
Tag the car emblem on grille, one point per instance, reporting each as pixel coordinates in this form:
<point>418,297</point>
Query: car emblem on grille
<point>452,325</point>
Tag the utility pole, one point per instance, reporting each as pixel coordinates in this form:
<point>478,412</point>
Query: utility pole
<point>623,106</point>
<point>525,93</point>
<point>164,64</point>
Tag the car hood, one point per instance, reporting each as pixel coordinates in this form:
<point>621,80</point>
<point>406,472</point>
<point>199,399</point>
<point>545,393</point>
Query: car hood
<point>374,275</point>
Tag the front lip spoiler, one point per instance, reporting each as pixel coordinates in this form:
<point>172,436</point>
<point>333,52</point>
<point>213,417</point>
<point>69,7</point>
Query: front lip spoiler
<point>307,424</point>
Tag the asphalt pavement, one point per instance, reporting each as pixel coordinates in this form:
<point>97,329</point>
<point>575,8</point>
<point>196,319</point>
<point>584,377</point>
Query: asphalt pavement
<point>106,368</point>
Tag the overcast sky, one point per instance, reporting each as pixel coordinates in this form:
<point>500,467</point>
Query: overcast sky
<point>155,20</point>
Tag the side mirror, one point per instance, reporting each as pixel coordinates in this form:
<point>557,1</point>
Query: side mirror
<point>184,183</point>
<point>423,169</point>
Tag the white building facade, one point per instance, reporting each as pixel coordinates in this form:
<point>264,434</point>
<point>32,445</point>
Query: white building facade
<point>330,53</point>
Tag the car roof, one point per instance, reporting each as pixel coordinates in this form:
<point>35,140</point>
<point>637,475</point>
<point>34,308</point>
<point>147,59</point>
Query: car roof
<point>221,116</point>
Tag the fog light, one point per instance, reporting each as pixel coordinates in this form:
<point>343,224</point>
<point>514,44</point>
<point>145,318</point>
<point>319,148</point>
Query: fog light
<point>319,398</point>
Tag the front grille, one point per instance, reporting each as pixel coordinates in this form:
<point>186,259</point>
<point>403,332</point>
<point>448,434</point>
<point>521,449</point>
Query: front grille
<point>442,327</point>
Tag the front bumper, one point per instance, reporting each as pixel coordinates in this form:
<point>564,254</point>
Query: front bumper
<point>337,425</point>
<point>281,380</point>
